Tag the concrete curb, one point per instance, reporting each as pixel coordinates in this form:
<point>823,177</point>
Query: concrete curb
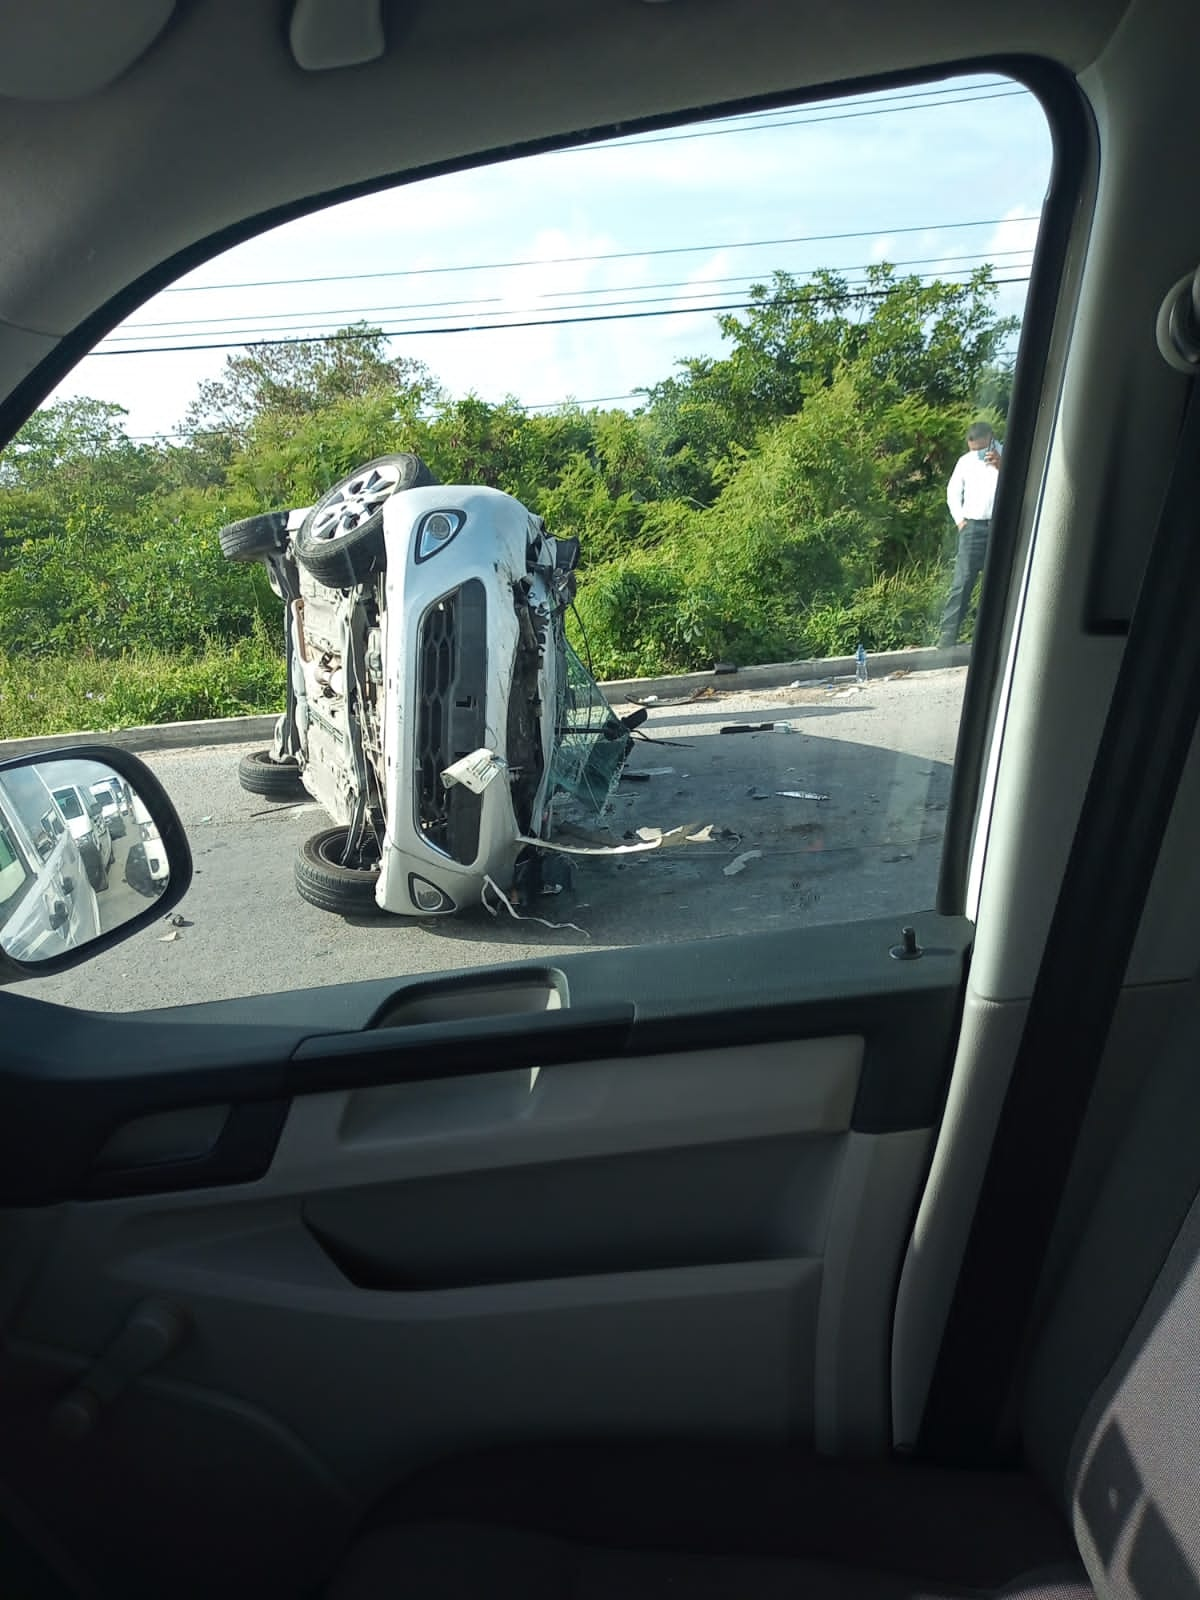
<point>250,730</point>
<point>163,736</point>
<point>780,674</point>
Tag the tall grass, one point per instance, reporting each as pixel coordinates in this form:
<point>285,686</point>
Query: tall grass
<point>636,624</point>
<point>68,694</point>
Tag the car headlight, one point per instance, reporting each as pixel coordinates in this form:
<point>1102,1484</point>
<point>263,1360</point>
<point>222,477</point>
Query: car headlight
<point>435,531</point>
<point>427,896</point>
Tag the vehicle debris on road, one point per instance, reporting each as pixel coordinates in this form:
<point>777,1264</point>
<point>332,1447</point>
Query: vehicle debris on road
<point>799,794</point>
<point>521,916</point>
<point>739,863</point>
<point>644,839</point>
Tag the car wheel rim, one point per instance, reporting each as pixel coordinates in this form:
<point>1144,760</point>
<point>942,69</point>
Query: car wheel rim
<point>355,502</point>
<point>332,850</point>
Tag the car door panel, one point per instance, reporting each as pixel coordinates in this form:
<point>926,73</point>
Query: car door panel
<point>683,1216</point>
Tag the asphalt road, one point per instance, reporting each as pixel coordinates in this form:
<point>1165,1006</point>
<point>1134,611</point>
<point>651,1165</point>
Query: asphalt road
<point>880,754</point>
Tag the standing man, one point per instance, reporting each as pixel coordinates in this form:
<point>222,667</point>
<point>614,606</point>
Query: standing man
<point>970,494</point>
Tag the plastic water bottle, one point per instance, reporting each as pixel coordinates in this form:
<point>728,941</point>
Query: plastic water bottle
<point>860,664</point>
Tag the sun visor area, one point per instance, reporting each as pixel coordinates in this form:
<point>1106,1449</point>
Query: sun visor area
<point>66,49</point>
<point>325,34</point>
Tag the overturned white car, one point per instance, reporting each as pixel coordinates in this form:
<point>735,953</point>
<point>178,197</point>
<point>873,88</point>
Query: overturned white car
<point>434,707</point>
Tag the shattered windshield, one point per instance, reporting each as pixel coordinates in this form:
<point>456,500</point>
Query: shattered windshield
<point>593,742</point>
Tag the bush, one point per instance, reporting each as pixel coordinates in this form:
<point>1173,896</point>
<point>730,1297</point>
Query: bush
<point>891,613</point>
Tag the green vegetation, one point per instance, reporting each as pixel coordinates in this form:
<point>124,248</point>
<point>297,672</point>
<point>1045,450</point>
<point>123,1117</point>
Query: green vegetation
<point>781,502</point>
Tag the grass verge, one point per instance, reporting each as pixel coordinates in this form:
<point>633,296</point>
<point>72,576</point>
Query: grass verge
<point>68,694</point>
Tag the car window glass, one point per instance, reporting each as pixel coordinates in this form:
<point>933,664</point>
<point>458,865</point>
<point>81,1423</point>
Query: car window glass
<point>27,795</point>
<point>69,802</point>
<point>623,509</point>
<point>14,873</point>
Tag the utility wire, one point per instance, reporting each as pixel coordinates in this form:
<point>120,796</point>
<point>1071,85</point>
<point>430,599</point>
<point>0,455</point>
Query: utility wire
<point>959,263</point>
<point>882,97</point>
<point>609,255</point>
<point>541,322</point>
<point>636,141</point>
<point>316,327</point>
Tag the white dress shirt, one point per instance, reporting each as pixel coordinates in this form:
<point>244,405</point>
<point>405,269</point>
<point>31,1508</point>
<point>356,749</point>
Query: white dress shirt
<point>971,492</point>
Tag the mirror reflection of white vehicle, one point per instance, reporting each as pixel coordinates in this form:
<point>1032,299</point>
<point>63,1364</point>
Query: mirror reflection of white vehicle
<point>47,904</point>
<point>426,638</point>
<point>85,819</point>
<point>110,795</point>
<point>52,913</point>
<point>146,867</point>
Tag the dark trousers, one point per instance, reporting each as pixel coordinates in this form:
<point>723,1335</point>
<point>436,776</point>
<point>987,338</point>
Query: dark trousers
<point>968,564</point>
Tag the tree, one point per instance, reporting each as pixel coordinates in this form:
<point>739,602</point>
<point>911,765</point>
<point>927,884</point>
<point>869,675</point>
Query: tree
<point>938,342</point>
<point>784,498</point>
<point>294,380</point>
<point>72,464</point>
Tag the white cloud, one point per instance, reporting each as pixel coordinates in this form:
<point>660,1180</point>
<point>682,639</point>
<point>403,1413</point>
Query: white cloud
<point>1016,231</point>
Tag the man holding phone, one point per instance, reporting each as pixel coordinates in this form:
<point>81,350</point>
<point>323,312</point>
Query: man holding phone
<point>970,494</point>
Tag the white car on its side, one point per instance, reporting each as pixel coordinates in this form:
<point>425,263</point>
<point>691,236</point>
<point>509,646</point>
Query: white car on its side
<point>146,867</point>
<point>434,706</point>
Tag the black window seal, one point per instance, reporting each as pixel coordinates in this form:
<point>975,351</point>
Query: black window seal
<point>1073,132</point>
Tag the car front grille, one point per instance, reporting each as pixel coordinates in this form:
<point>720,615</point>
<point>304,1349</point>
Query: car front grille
<point>450,719</point>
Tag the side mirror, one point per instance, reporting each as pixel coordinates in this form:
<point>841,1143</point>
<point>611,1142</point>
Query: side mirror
<point>72,903</point>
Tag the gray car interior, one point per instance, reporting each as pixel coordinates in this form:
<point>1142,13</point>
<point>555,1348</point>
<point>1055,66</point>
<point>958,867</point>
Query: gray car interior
<point>627,1275</point>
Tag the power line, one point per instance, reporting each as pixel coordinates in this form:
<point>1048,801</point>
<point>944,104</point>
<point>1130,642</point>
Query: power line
<point>312,325</point>
<point>883,97</point>
<point>978,256</point>
<point>636,142</point>
<point>544,322</point>
<point>609,255</point>
<point>959,263</point>
<point>621,303</point>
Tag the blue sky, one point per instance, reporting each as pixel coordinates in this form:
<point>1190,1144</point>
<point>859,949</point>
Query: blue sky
<point>971,151</point>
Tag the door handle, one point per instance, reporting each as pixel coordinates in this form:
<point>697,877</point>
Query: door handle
<point>423,1051</point>
<point>58,915</point>
<point>68,886</point>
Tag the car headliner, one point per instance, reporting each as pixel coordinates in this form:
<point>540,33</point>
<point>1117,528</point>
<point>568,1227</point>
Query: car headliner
<point>215,124</point>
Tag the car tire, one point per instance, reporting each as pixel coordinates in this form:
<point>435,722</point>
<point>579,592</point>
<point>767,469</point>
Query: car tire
<point>254,537</point>
<point>325,883</point>
<point>274,780</point>
<point>340,541</point>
